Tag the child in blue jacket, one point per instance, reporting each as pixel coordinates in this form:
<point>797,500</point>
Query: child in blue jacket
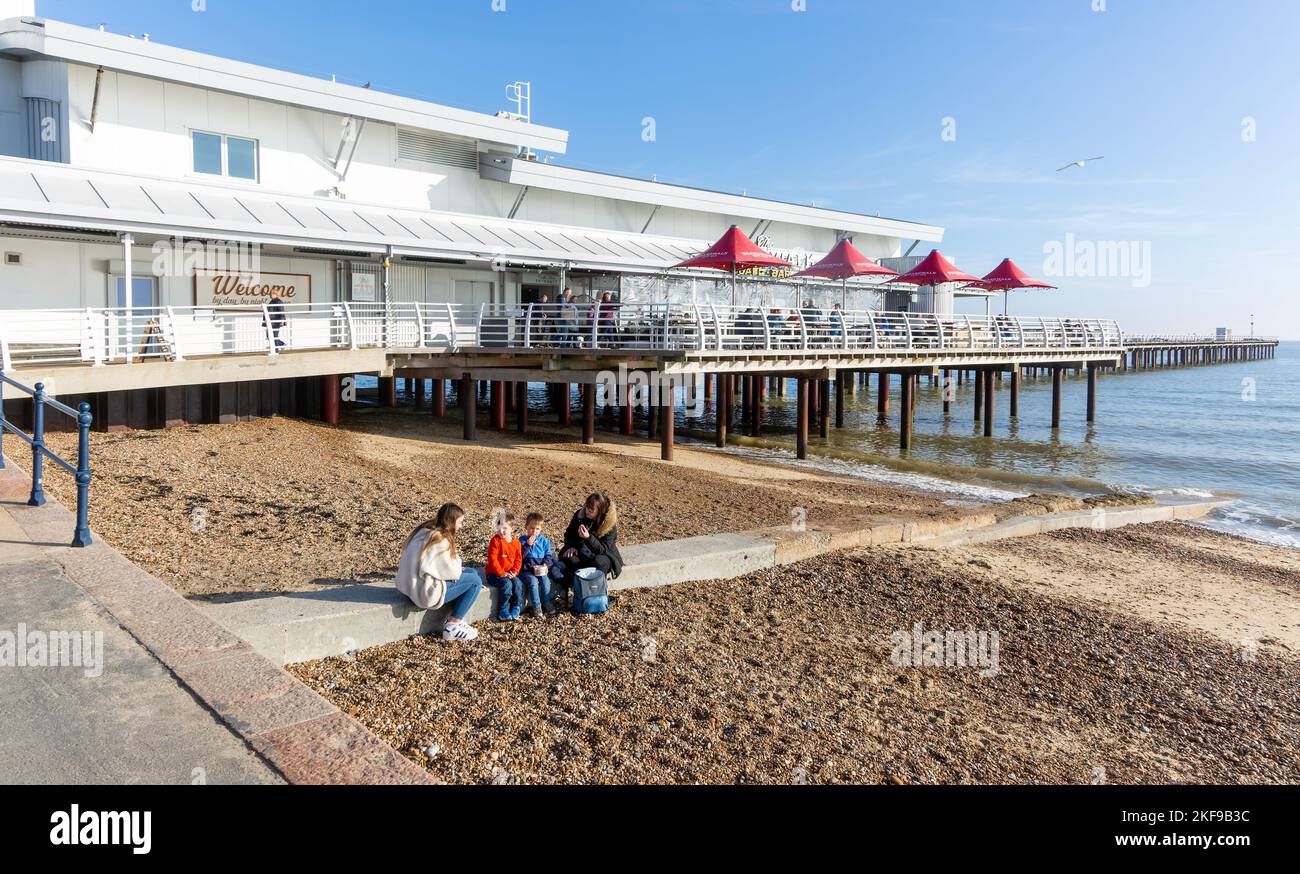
<point>541,567</point>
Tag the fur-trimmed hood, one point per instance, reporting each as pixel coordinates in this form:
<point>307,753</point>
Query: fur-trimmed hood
<point>611,520</point>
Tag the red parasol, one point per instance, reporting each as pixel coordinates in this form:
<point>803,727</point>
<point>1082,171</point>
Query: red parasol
<point>935,270</point>
<point>1007,276</point>
<point>734,251</point>
<point>843,262</point>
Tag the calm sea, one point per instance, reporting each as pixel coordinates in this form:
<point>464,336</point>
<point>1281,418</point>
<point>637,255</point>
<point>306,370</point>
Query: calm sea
<point>1229,430</point>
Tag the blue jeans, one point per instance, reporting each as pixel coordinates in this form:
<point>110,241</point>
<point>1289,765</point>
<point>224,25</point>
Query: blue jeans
<point>512,596</point>
<point>462,593</point>
<point>539,587</point>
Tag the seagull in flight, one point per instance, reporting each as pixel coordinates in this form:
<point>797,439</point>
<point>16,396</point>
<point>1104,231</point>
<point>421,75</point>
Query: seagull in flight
<point>1080,163</point>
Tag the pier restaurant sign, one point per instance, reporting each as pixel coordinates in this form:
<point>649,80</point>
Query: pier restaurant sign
<point>219,288</point>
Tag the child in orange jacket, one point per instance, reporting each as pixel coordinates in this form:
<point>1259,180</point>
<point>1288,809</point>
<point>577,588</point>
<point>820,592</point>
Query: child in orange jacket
<point>505,561</point>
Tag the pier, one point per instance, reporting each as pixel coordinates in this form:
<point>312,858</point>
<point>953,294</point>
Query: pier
<point>172,366</point>
<point>1189,350</point>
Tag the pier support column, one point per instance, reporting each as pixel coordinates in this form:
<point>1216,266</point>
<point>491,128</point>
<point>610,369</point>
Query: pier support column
<point>948,391</point>
<point>588,414</point>
<point>882,393</point>
<point>521,407</point>
<point>1056,397</point>
<point>824,408</point>
<point>564,395</point>
<point>990,387</point>
<point>387,391</point>
<point>418,394</point>
<point>469,406</point>
<point>438,398</point>
<point>1092,394</point>
<point>720,415</point>
<point>980,379</point>
<point>497,404</point>
<point>667,429</point>
<point>1015,392</point>
<point>329,399</point>
<point>905,414</point>
<point>801,420</point>
<point>626,410</point>
<point>840,388</point>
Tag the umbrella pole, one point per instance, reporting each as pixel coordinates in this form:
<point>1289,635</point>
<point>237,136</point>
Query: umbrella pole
<point>733,286</point>
<point>1006,302</point>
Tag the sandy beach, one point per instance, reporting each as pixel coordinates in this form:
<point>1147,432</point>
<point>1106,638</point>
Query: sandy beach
<point>1155,654</point>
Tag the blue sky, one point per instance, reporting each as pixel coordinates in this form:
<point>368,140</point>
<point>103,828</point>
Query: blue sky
<point>844,105</point>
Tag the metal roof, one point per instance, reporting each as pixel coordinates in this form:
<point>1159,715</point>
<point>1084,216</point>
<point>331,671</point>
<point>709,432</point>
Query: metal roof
<point>60,196</point>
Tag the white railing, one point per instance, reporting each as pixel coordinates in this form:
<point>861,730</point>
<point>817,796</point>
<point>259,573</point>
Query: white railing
<point>1189,339</point>
<point>116,336</point>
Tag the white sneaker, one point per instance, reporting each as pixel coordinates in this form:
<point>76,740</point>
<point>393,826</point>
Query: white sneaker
<point>459,632</point>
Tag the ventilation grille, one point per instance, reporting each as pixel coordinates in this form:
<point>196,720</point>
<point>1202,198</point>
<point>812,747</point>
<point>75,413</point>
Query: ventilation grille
<point>413,145</point>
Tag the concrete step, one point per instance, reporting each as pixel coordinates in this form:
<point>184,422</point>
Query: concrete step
<point>298,627</point>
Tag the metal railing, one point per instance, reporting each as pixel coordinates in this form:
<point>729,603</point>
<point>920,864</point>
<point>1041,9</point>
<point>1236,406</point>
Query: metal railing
<point>120,336</point>
<point>81,472</point>
<point>1189,339</point>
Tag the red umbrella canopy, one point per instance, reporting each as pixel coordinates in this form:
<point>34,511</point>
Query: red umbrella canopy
<point>845,261</point>
<point>1007,275</point>
<point>734,251</point>
<point>935,270</point>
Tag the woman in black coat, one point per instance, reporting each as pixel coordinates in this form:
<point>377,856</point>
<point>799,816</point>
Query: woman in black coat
<point>591,540</point>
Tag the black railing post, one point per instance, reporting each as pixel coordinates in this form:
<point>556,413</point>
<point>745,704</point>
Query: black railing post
<point>82,536</point>
<point>38,447</point>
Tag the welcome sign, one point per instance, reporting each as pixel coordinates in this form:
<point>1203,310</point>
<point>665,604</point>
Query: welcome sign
<point>221,288</point>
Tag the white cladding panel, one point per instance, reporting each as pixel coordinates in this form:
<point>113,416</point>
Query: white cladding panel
<point>13,138</point>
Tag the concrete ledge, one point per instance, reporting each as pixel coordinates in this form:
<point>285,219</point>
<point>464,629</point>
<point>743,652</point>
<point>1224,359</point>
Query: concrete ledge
<point>304,626</point>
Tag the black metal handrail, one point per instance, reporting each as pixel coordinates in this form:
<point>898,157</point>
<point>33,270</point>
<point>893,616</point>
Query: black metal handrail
<point>40,451</point>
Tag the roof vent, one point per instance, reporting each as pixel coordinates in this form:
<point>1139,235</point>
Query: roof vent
<point>427,148</point>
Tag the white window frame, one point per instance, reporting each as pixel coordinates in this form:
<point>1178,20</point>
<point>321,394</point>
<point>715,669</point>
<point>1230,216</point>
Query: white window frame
<point>225,157</point>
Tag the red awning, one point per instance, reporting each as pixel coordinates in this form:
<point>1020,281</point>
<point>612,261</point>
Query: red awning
<point>1007,275</point>
<point>846,261</point>
<point>935,270</point>
<point>734,251</point>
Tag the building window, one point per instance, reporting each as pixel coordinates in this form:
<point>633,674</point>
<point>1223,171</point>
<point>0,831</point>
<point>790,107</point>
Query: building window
<point>219,155</point>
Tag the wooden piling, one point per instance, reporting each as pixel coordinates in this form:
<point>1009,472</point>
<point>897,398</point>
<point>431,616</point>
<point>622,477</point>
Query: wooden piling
<point>1092,394</point>
<point>905,414</point>
<point>839,399</point>
<point>588,414</point>
<point>469,405</point>
<point>667,428</point>
<point>990,389</point>
<point>801,416</point>
<point>329,399</point>
<point>1015,392</point>
<point>979,394</point>
<point>1057,383</point>
<point>882,393</point>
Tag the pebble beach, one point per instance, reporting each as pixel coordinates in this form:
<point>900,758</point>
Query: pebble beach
<point>1122,657</point>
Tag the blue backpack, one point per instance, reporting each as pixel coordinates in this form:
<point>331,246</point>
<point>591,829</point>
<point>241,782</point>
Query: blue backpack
<point>590,591</point>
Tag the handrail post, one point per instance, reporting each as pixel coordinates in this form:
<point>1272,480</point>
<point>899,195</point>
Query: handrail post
<point>803,328</point>
<point>938,323</point>
<point>668,323</point>
<point>907,324</point>
<point>81,537</point>
<point>717,326</point>
<point>37,498</point>
<point>528,327</point>
<point>349,324</point>
<point>699,325</point>
<point>478,325</point>
<point>419,321</point>
<point>451,321</point>
<point>875,334</point>
<point>767,329</point>
<point>270,330</point>
<point>970,331</point>
<point>175,335</point>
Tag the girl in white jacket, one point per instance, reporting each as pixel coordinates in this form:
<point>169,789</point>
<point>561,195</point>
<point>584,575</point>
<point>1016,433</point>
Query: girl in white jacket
<point>432,575</point>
